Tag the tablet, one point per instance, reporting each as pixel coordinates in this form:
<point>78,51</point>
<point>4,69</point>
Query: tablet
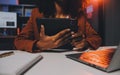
<point>55,25</point>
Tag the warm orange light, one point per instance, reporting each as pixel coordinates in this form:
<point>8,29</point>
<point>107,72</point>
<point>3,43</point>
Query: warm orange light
<point>100,58</point>
<point>96,1</point>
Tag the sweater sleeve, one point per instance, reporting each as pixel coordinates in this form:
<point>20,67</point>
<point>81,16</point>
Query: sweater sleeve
<point>25,40</point>
<point>91,36</point>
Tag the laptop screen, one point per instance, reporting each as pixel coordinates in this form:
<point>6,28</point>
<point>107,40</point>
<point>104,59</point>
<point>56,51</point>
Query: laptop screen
<point>100,58</point>
<point>8,20</point>
<point>105,59</point>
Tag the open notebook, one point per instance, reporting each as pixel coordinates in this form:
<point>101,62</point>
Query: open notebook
<point>18,62</point>
<point>107,59</point>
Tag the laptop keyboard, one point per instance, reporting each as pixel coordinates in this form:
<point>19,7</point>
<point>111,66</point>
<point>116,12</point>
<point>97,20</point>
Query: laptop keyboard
<point>99,58</point>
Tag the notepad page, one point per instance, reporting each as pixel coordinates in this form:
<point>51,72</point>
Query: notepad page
<point>17,63</point>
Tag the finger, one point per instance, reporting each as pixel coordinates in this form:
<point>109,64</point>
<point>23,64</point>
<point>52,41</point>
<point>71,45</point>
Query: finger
<point>80,46</point>
<point>76,35</point>
<point>65,37</point>
<point>61,34</point>
<point>63,40</point>
<point>42,31</point>
<point>66,41</point>
<point>72,33</point>
<point>78,49</point>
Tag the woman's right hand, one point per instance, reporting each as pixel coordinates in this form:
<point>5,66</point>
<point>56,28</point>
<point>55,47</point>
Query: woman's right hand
<point>49,42</point>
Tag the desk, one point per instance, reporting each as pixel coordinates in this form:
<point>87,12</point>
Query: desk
<point>58,64</point>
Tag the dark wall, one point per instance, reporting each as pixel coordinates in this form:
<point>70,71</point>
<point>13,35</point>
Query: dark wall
<point>111,25</point>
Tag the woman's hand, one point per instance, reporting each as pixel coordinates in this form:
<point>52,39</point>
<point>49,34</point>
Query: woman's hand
<point>49,42</point>
<point>79,41</point>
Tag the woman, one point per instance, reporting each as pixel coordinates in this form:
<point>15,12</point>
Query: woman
<point>86,37</point>
<point>30,40</point>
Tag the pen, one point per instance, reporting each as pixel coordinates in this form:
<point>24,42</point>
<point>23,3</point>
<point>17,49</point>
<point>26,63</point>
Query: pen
<point>6,54</point>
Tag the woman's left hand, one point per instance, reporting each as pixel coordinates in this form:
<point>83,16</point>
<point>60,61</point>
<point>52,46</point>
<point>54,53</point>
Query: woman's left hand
<point>79,41</point>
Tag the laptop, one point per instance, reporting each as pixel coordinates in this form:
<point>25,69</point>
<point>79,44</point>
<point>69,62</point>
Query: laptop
<point>17,62</point>
<point>55,25</point>
<point>8,24</point>
<point>114,62</point>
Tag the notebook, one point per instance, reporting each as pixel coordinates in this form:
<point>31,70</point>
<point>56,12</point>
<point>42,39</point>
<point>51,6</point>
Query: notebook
<point>114,60</point>
<point>55,25</point>
<point>17,62</point>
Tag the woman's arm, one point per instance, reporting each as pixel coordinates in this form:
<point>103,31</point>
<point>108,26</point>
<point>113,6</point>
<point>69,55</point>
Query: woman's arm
<point>26,39</point>
<point>90,38</point>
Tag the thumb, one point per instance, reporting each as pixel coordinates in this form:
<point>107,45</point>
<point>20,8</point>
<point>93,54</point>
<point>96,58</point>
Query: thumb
<point>42,31</point>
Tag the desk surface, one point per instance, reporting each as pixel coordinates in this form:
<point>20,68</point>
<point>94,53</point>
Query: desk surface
<point>58,64</point>
<point>16,62</point>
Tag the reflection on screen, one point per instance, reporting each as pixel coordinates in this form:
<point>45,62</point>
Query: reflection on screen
<point>100,58</point>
